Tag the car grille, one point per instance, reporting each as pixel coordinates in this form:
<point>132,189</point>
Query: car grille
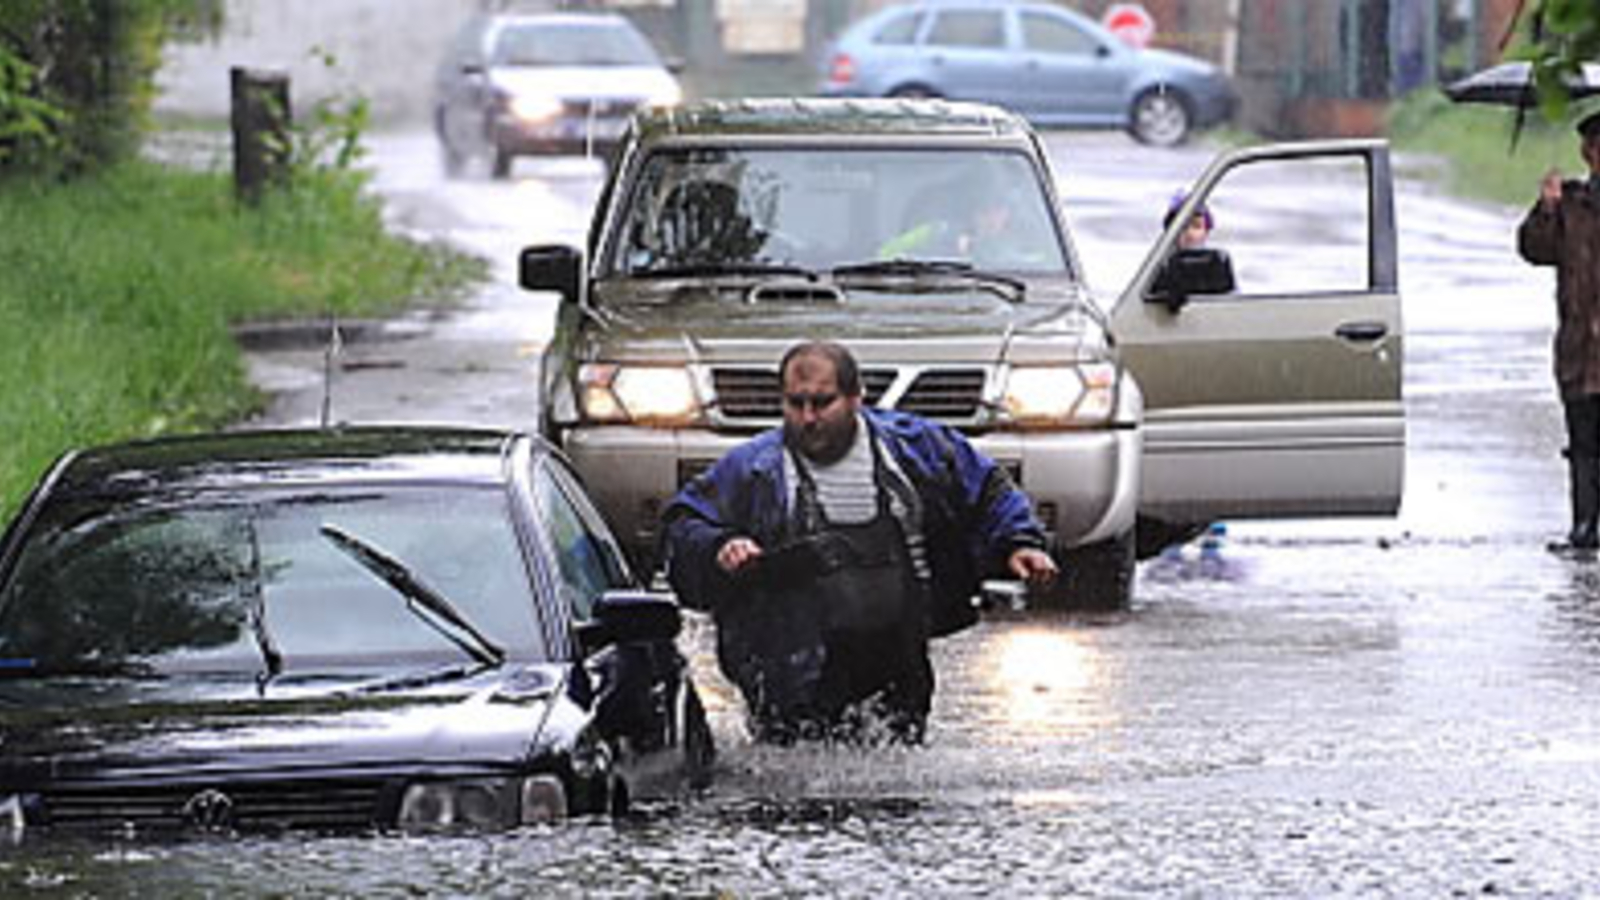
<point>341,805</point>
<point>603,109</point>
<point>946,394</point>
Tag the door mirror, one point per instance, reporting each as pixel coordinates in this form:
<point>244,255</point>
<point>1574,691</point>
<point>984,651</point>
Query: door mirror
<point>1197,270</point>
<point>551,267</point>
<point>630,616</point>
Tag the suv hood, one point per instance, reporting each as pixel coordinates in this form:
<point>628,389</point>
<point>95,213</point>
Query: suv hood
<point>969,324</point>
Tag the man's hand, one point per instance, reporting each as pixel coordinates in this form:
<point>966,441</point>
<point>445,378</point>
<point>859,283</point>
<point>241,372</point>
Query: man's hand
<point>738,553</point>
<point>1033,566</point>
<point>1550,189</point>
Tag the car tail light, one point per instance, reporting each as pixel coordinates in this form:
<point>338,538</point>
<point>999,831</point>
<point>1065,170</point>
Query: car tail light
<point>842,70</point>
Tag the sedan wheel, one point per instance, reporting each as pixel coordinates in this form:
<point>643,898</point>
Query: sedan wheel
<point>914,92</point>
<point>1160,117</point>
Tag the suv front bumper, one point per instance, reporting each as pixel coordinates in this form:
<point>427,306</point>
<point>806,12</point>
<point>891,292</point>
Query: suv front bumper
<point>1084,484</point>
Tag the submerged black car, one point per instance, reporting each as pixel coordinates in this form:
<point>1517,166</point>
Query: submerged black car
<point>364,629</point>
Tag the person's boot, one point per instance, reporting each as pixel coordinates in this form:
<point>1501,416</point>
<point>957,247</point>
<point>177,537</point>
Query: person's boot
<point>1583,475</point>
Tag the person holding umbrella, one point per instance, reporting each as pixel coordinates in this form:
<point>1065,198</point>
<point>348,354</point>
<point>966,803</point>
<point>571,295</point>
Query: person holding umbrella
<point>1563,230</point>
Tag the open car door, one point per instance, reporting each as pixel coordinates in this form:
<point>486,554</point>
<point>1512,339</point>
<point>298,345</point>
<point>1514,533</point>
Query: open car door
<point>1273,389</point>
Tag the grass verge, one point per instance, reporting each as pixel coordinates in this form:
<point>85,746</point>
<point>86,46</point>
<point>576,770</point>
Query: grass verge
<point>117,292</point>
<point>1477,143</point>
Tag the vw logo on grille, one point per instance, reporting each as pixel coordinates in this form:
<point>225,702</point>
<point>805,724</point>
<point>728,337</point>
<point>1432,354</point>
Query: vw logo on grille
<point>209,810</point>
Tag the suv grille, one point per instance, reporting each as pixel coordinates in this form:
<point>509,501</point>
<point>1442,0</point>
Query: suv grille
<point>937,393</point>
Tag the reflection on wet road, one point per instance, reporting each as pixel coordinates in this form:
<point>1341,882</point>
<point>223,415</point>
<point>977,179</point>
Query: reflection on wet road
<point>1397,708</point>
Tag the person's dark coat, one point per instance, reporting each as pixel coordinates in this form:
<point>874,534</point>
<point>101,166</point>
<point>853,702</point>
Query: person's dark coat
<point>974,517</point>
<point>1568,238</point>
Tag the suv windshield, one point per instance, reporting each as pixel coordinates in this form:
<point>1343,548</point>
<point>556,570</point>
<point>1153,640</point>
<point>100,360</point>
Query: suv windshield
<point>573,45</point>
<point>823,208</point>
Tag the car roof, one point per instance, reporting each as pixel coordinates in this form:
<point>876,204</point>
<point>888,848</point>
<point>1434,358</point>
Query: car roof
<point>556,19</point>
<point>300,457</point>
<point>830,116</point>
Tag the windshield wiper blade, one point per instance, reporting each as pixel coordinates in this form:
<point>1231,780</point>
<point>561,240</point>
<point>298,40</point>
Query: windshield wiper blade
<point>731,267</point>
<point>418,595</point>
<point>906,267</point>
<point>255,595</point>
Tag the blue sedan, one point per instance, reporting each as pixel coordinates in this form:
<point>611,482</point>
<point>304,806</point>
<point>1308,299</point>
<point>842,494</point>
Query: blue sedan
<point>1052,65</point>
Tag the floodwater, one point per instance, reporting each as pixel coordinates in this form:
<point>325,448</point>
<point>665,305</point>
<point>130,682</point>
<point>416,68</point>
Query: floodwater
<point>1379,708</point>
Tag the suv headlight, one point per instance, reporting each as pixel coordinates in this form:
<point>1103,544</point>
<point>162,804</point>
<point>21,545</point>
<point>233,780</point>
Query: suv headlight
<point>482,803</point>
<point>647,394</point>
<point>1040,396</point>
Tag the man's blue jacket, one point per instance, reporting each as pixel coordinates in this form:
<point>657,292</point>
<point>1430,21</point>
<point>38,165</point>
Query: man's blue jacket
<point>974,516</point>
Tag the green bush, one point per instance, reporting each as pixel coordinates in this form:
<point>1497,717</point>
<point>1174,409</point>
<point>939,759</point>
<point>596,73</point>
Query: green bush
<point>117,290</point>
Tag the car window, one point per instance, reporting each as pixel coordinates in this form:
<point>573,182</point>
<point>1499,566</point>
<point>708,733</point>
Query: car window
<point>899,30</point>
<point>572,45</point>
<point>821,208</point>
<point>1329,248</point>
<point>178,586</point>
<point>1048,34</point>
<point>968,28</point>
<point>588,560</point>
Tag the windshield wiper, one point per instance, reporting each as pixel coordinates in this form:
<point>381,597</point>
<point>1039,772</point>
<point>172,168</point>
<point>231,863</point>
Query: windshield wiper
<point>905,267</point>
<point>255,596</point>
<point>731,267</point>
<point>419,596</point>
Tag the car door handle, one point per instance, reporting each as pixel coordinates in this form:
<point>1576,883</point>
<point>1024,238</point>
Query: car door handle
<point>1361,332</point>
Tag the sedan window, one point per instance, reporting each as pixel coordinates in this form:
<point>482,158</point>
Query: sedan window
<point>573,45</point>
<point>900,30</point>
<point>218,586</point>
<point>588,561</point>
<point>968,28</point>
<point>1047,34</point>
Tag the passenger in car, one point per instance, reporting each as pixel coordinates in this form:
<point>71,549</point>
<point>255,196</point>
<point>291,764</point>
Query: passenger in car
<point>831,549</point>
<point>1563,230</point>
<point>1192,258</point>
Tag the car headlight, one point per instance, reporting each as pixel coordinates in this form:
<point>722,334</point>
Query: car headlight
<point>482,803</point>
<point>665,95</point>
<point>533,108</point>
<point>646,394</point>
<point>1039,396</point>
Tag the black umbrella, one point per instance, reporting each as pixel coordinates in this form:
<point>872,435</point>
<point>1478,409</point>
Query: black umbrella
<point>1511,84</point>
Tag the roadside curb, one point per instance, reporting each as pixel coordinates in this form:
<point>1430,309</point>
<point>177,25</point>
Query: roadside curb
<point>312,334</point>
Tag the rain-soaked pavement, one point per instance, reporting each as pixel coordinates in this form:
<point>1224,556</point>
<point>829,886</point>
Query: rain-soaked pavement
<point>1398,707</point>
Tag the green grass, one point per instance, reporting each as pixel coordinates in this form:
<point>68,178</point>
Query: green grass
<point>1476,143</point>
<point>117,291</point>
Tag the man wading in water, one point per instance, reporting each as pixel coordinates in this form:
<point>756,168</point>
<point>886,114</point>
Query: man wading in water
<point>830,550</point>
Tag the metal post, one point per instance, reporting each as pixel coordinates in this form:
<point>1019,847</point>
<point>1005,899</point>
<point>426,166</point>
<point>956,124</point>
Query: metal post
<point>260,119</point>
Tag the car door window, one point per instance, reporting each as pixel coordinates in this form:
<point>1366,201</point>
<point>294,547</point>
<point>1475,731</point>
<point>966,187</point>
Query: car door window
<point>1329,249</point>
<point>1047,34</point>
<point>979,29</point>
<point>588,560</point>
<point>899,31</point>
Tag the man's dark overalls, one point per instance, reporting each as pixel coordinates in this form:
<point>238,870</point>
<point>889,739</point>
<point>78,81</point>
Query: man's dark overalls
<point>831,638</point>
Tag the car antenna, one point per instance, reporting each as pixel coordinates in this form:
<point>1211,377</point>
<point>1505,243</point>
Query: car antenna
<point>332,351</point>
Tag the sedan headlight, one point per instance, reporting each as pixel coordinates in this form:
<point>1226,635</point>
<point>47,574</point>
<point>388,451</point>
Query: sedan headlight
<point>482,803</point>
<point>666,95</point>
<point>1039,396</point>
<point>646,394</point>
<point>530,108</point>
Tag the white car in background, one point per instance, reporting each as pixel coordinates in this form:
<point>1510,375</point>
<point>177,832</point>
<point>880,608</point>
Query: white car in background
<point>544,84</point>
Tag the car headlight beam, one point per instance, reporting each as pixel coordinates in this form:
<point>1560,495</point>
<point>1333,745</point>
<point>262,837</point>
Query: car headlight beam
<point>532,108</point>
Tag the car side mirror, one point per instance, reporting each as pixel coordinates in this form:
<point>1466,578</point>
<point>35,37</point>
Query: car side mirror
<point>630,616</point>
<point>1192,271</point>
<point>675,64</point>
<point>551,267</point>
